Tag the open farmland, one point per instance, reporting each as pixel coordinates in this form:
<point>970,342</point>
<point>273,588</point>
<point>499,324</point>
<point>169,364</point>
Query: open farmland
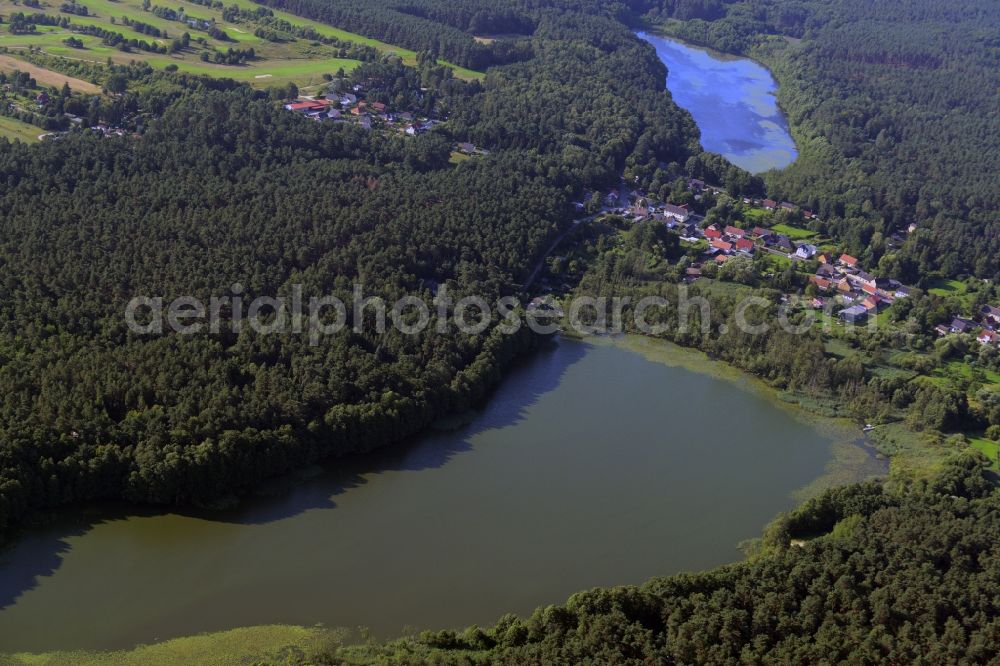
<point>46,76</point>
<point>293,59</point>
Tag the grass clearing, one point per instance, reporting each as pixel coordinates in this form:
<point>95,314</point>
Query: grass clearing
<point>794,233</point>
<point>14,129</point>
<point>755,215</point>
<point>988,448</point>
<point>237,647</point>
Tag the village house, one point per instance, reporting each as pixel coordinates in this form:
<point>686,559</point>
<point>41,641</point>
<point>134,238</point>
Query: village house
<point>853,314</point>
<point>469,148</point>
<point>713,232</point>
<point>821,282</point>
<point>827,271</point>
<point>848,260</point>
<point>805,251</point>
<point>873,302</point>
<point>307,106</point>
<point>762,233</point>
<point>788,206</point>
<point>679,213</point>
<point>735,231</point>
<point>690,232</point>
<point>696,185</point>
<point>961,325</point>
<point>991,315</point>
<point>941,329</point>
<point>783,243</point>
<point>744,245</point>
<point>640,209</point>
<point>722,246</point>
<point>989,338</point>
<point>769,204</point>
<point>721,259</point>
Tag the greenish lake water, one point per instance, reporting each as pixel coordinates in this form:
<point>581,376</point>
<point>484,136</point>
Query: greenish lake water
<point>732,101</point>
<point>592,465</point>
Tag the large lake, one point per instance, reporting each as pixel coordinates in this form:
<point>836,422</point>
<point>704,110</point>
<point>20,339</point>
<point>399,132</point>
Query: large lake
<point>732,101</point>
<point>592,464</point>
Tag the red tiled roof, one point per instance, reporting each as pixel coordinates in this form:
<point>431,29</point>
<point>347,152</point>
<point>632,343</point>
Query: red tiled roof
<point>820,282</point>
<point>848,259</point>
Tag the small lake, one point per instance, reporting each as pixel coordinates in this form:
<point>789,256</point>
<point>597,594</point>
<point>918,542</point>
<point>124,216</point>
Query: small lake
<point>732,101</point>
<point>592,465</point>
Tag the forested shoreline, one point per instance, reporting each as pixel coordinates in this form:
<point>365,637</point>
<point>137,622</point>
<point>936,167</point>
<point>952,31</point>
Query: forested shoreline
<point>217,185</point>
<point>874,573</point>
<point>892,106</point>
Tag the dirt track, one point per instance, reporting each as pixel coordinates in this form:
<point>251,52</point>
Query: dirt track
<point>47,76</point>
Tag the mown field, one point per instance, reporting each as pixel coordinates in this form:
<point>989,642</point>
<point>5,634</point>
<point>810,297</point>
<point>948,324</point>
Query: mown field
<point>15,129</point>
<point>301,61</point>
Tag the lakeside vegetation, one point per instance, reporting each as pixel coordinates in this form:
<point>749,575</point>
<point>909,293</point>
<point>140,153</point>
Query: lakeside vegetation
<point>92,412</point>
<point>927,396</point>
<point>892,114</point>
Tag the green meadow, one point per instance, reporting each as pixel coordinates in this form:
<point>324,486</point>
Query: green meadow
<point>12,128</point>
<point>300,61</point>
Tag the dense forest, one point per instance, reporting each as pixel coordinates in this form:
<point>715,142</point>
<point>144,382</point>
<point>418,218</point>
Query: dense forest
<point>894,106</point>
<point>865,574</point>
<point>213,184</point>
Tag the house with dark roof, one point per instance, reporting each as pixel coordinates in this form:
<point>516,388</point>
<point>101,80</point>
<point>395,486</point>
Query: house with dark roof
<point>990,313</point>
<point>782,242</point>
<point>679,213</point>
<point>769,204</point>
<point>961,325</point>
<point>853,314</point>
<point>826,270</point>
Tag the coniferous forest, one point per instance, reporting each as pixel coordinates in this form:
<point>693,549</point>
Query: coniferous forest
<point>215,184</point>
<point>895,105</point>
<point>220,186</point>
